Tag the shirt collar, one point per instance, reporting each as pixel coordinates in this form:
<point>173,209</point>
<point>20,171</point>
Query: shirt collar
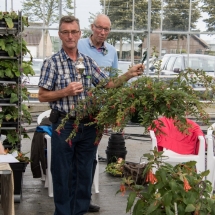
<point>64,56</point>
<point>103,49</point>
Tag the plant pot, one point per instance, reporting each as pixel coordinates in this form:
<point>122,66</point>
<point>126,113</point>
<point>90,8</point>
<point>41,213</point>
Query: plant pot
<point>116,141</point>
<point>3,53</point>
<point>5,100</point>
<point>6,79</point>
<point>113,155</point>
<point>7,124</point>
<point>4,25</point>
<point>116,148</point>
<point>18,169</point>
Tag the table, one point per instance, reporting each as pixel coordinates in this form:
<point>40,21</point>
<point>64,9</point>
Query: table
<point>7,188</point>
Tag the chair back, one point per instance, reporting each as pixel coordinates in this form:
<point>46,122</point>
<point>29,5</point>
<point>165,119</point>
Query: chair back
<point>42,115</point>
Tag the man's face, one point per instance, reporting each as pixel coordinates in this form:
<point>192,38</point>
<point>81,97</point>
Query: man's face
<point>69,33</point>
<point>100,29</point>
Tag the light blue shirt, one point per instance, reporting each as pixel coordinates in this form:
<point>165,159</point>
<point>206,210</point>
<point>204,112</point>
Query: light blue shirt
<point>106,56</point>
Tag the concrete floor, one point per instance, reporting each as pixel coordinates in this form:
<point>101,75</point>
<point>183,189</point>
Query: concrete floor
<point>35,199</point>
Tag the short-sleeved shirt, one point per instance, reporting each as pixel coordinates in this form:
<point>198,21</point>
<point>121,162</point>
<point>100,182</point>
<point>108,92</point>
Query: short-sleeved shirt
<point>59,70</point>
<point>106,56</point>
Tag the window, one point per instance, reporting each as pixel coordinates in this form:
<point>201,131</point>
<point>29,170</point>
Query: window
<point>170,63</point>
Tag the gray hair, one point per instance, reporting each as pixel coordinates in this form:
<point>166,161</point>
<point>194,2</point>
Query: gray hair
<point>68,19</point>
<point>101,16</point>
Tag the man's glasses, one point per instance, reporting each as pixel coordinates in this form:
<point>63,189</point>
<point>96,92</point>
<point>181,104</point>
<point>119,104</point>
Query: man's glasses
<point>106,30</point>
<point>66,33</point>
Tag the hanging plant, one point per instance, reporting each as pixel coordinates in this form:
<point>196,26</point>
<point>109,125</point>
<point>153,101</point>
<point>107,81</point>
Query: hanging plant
<point>148,98</point>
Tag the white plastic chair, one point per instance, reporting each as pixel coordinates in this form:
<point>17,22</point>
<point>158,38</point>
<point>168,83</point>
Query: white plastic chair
<point>175,158</point>
<point>210,155</point>
<point>49,176</point>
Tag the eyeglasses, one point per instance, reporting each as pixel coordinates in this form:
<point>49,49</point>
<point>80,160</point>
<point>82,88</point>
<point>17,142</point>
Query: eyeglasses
<point>66,33</point>
<point>101,28</point>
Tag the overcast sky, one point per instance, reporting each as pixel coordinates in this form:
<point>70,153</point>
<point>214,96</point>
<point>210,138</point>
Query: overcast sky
<point>83,7</point>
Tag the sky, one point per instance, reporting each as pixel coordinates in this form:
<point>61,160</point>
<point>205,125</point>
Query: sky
<point>83,7</point>
<point>82,11</point>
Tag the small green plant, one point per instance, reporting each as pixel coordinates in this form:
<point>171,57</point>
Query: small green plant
<point>171,190</point>
<point>115,168</point>
<point>10,17</point>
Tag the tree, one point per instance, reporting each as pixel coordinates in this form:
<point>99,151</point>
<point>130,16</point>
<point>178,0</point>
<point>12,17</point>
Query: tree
<point>120,13</point>
<point>209,7</point>
<point>33,9</point>
<point>176,17</point>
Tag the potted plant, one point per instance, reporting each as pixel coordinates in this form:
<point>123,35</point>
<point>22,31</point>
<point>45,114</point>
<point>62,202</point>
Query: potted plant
<point>148,98</point>
<point>13,112</point>
<point>171,190</point>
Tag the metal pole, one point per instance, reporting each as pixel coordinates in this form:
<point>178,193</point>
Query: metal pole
<point>43,34</point>
<point>149,34</point>
<point>161,26</point>
<point>104,6</point>
<point>74,7</point>
<point>5,5</point>
<point>60,14</point>
<point>132,36</point>
<point>188,35</point>
<point>11,5</point>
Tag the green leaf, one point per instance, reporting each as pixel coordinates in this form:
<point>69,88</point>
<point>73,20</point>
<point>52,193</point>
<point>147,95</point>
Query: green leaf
<point>13,98</point>
<point>190,208</point>
<point>130,202</point>
<point>153,206</point>
<point>9,22</point>
<point>167,198</point>
<point>138,208</point>
<point>168,211</point>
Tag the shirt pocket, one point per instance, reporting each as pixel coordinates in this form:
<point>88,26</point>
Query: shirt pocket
<point>63,81</point>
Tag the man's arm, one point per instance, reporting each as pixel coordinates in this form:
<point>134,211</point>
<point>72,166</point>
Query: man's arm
<point>132,72</point>
<point>73,89</point>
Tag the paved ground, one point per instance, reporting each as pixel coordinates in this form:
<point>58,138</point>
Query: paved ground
<point>35,199</point>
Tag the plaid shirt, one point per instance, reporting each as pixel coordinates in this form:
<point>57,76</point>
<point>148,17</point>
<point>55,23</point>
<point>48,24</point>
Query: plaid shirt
<point>59,70</point>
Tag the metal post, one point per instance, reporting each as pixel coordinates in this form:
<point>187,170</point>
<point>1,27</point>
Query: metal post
<point>5,5</point>
<point>132,36</point>
<point>11,5</point>
<point>74,7</point>
<point>104,6</point>
<point>43,34</point>
<point>188,35</point>
<point>60,15</point>
<point>161,26</point>
<point>148,36</point>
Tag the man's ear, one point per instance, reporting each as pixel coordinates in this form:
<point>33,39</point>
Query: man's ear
<point>91,26</point>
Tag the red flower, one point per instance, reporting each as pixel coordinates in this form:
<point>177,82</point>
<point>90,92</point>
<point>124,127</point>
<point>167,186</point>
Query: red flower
<point>186,185</point>
<point>70,143</point>
<point>122,189</point>
<point>150,177</point>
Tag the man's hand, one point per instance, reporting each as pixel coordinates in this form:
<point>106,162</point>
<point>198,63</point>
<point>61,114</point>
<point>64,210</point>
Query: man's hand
<point>135,70</point>
<point>74,88</point>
